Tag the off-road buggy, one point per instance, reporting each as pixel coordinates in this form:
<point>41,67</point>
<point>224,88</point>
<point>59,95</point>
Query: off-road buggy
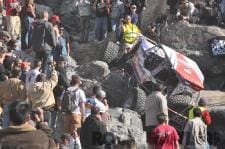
<point>149,63</point>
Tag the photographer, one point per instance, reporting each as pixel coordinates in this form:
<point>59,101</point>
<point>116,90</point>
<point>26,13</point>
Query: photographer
<point>21,134</point>
<point>41,94</point>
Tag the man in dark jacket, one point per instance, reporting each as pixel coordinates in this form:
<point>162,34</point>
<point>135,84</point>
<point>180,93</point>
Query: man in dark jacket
<point>43,40</point>
<point>23,135</point>
<point>92,131</point>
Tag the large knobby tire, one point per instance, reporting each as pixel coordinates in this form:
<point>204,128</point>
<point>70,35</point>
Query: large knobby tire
<point>111,52</point>
<point>135,100</point>
<point>179,101</point>
<point>109,48</point>
<point>180,104</point>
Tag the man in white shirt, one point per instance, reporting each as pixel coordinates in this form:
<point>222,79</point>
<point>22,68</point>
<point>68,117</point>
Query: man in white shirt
<point>32,74</point>
<point>156,103</point>
<point>73,119</point>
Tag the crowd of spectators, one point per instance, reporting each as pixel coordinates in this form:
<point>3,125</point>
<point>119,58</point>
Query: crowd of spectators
<point>33,93</point>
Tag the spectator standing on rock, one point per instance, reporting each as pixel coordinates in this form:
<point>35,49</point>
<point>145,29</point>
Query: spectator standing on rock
<point>84,9</point>
<point>43,40</point>
<point>134,15</point>
<point>13,24</point>
<point>21,134</point>
<point>141,6</point>
<point>41,94</point>
<point>10,90</point>
<point>63,47</point>
<point>102,11</point>
<point>195,132</point>
<point>115,15</point>
<point>155,103</point>
<point>163,136</point>
<point>92,131</point>
<point>27,16</point>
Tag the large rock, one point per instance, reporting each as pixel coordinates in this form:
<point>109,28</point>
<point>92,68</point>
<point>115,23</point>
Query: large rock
<point>154,9</point>
<point>41,8</point>
<point>191,40</point>
<point>85,53</point>
<point>116,87</point>
<point>97,70</point>
<point>127,126</point>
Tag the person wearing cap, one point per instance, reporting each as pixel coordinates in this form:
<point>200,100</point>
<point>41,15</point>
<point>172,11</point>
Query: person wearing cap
<point>186,10</point>
<point>55,20</point>
<point>25,67</point>
<point>202,105</point>
<point>163,136</point>
<point>84,10</point>
<point>27,16</point>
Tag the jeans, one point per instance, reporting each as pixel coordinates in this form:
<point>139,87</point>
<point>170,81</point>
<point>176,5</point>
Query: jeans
<point>45,56</point>
<point>85,25</point>
<point>5,121</point>
<point>115,27</point>
<point>50,117</point>
<point>101,28</point>
<point>26,32</point>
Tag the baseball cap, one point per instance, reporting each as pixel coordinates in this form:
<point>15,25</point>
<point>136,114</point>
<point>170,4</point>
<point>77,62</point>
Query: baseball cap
<point>25,65</point>
<point>55,18</point>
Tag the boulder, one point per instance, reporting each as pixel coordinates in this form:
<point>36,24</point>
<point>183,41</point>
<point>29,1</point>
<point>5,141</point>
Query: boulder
<point>93,70</point>
<point>126,125</point>
<point>41,8</point>
<point>191,40</point>
<point>116,87</point>
<point>154,9</point>
<point>85,53</point>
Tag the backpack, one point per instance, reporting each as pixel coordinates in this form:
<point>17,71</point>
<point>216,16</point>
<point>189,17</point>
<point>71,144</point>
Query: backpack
<point>69,101</point>
<point>39,36</point>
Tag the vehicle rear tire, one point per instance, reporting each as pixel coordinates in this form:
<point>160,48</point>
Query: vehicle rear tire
<point>135,100</point>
